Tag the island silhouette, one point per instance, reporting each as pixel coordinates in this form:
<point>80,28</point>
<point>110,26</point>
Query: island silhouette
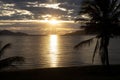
<point>7,32</point>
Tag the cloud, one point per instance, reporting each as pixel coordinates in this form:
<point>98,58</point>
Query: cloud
<point>10,11</point>
<point>35,9</point>
<point>53,6</point>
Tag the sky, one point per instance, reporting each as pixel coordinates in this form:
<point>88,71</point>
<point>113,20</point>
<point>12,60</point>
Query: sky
<point>15,10</point>
<point>38,9</point>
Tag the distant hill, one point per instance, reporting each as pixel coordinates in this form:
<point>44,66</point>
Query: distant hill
<point>80,32</point>
<point>7,32</point>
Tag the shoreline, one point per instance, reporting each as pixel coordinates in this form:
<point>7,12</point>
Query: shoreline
<point>64,73</point>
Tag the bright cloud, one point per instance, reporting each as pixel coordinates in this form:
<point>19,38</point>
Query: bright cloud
<point>46,5</point>
<point>54,6</point>
<point>10,10</point>
<point>23,12</point>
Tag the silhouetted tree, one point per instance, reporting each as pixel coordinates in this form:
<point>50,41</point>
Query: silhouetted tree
<point>103,20</point>
<point>8,61</point>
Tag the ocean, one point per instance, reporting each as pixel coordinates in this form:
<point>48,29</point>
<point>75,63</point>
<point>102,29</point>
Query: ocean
<point>55,51</point>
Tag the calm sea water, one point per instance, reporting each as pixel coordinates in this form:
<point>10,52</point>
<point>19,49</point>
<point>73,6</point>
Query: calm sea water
<point>55,51</point>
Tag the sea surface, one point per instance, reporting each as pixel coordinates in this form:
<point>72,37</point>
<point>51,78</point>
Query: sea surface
<point>55,51</point>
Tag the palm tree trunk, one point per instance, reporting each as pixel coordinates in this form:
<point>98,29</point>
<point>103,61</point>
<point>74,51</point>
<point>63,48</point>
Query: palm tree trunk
<point>106,58</point>
<point>104,42</point>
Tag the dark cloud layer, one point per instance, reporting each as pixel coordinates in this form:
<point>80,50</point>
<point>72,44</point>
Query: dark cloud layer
<point>35,9</point>
<point>15,1</point>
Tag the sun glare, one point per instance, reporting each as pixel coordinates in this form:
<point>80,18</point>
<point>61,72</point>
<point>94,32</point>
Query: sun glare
<point>53,50</point>
<point>53,21</point>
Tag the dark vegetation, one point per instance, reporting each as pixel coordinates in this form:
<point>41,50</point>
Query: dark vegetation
<point>7,62</point>
<point>103,20</point>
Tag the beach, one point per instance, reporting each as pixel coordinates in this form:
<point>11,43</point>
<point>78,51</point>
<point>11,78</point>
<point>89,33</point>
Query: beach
<point>65,73</point>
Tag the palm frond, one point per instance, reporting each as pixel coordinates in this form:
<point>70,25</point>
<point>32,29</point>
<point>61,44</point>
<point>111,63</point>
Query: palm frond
<point>116,16</point>
<point>113,5</point>
<point>80,19</point>
<point>96,8</point>
<point>86,42</point>
<point>0,44</point>
<point>117,8</point>
<point>4,48</point>
<point>8,61</point>
<point>93,10</point>
<point>95,50</point>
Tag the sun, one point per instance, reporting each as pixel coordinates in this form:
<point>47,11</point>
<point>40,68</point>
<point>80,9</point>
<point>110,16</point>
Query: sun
<point>53,21</point>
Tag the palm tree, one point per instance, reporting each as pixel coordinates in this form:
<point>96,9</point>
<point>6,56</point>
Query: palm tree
<point>103,21</point>
<point>8,61</point>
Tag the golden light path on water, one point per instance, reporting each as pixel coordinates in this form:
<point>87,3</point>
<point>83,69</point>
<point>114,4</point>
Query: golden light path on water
<point>53,45</point>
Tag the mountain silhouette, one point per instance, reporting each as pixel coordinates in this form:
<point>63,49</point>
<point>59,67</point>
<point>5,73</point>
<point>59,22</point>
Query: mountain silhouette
<point>80,32</point>
<point>7,32</point>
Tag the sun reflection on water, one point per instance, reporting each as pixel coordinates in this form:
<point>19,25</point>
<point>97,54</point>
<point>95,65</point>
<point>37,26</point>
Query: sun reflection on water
<point>53,50</point>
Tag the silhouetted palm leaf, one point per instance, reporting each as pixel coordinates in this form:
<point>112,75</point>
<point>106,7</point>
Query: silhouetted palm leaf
<point>8,61</point>
<point>84,43</point>
<point>78,19</point>
<point>4,48</point>
<point>95,50</point>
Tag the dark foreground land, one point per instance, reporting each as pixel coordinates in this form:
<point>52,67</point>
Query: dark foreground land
<point>68,73</point>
